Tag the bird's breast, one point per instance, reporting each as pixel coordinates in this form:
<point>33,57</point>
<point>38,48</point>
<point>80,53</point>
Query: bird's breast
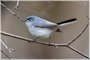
<point>40,32</point>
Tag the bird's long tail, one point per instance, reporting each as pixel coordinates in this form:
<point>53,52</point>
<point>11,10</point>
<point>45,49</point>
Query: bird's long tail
<point>66,22</point>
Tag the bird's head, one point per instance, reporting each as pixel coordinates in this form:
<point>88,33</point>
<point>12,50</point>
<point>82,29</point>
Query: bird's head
<point>30,19</point>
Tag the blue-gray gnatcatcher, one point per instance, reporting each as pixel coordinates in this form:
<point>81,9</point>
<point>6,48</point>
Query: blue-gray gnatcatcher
<point>39,27</point>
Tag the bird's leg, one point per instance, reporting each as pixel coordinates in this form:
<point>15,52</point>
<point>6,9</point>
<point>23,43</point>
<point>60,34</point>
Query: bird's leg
<point>35,39</point>
<point>50,39</point>
<point>58,30</point>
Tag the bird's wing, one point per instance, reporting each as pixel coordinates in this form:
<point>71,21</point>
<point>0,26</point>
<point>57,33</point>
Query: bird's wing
<point>44,24</point>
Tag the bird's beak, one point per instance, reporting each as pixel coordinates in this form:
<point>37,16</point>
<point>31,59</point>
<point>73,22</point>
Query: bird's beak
<point>24,20</point>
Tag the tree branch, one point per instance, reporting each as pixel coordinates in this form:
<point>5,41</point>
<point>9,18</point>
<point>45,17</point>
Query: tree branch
<point>8,49</point>
<point>17,4</point>
<point>78,52</point>
<point>7,8</point>
<point>15,14</point>
<point>31,40</point>
<point>78,35</point>
<point>5,54</point>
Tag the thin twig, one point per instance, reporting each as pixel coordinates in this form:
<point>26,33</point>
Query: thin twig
<point>7,8</point>
<point>31,40</point>
<point>15,14</point>
<point>8,49</point>
<point>5,54</point>
<point>56,46</point>
<point>4,44</point>
<point>17,4</point>
<point>43,43</point>
<point>78,35</point>
<point>78,52</point>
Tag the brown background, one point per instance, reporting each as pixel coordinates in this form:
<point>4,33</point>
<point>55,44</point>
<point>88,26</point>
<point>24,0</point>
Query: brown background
<point>52,11</point>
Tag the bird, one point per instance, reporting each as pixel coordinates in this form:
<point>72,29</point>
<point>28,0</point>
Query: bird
<point>42,28</point>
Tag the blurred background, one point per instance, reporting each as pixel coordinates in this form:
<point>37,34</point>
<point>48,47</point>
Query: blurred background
<point>54,11</point>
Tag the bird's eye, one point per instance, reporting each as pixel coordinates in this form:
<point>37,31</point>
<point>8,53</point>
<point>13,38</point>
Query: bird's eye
<point>30,19</point>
